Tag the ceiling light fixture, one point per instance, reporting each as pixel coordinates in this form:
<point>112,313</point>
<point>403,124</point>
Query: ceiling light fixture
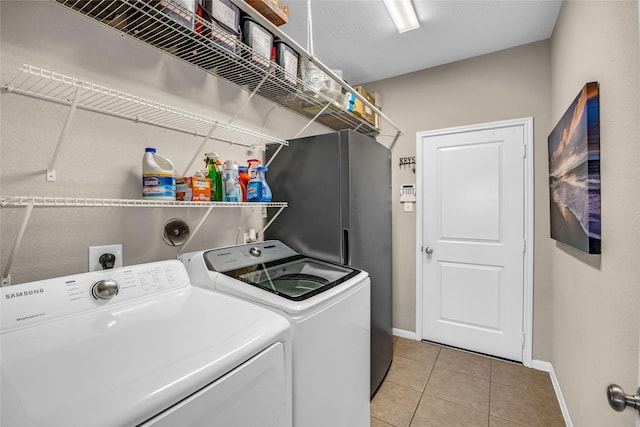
<point>403,14</point>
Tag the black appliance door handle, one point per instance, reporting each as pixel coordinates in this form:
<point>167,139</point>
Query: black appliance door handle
<point>346,256</point>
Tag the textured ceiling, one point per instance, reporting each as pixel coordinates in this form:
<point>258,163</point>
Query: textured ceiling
<point>359,38</point>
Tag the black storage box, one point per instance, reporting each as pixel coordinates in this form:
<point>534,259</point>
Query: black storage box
<point>289,60</point>
<point>259,39</point>
<point>224,13</point>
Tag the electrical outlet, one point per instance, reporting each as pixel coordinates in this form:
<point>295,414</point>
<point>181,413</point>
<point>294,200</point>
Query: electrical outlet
<point>95,252</point>
<point>251,236</point>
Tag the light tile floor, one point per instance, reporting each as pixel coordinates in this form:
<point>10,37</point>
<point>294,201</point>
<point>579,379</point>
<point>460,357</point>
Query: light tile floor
<point>429,385</point>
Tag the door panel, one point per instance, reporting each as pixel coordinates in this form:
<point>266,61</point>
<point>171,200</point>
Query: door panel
<point>467,175</point>
<point>466,285</point>
<point>473,219</point>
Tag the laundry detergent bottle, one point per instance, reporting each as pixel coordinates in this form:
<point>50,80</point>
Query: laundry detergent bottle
<point>158,177</point>
<point>243,178</point>
<point>231,185</point>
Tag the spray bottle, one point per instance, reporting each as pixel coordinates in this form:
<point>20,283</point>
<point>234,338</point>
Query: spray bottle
<point>265,190</point>
<point>254,189</point>
<point>254,186</point>
<point>214,174</point>
<point>253,167</point>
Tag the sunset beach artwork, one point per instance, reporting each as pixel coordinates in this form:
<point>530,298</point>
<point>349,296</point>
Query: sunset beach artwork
<point>574,173</point>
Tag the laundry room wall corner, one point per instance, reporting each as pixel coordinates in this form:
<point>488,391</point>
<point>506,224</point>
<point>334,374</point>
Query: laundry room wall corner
<point>504,85</point>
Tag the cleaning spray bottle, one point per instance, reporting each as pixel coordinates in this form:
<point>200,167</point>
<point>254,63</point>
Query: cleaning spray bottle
<point>254,187</point>
<point>213,173</point>
<point>253,167</point>
<point>265,190</point>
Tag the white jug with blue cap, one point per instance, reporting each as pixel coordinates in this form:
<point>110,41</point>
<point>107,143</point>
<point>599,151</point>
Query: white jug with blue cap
<point>158,177</point>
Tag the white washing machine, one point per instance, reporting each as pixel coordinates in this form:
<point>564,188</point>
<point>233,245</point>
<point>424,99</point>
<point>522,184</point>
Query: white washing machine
<point>140,346</point>
<point>328,306</point>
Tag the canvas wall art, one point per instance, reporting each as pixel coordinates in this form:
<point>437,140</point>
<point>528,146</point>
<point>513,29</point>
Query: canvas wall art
<point>574,173</point>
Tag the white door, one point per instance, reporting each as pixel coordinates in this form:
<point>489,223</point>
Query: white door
<point>473,238</point>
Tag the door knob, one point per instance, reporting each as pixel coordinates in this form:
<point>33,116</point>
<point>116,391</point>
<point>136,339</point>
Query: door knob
<point>619,400</point>
<point>429,250</point>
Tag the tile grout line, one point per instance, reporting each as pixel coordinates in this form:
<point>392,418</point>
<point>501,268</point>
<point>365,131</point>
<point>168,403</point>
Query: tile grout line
<point>472,375</point>
<point>490,386</point>
<point>425,387</point>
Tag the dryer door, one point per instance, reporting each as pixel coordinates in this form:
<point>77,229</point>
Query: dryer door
<point>257,393</point>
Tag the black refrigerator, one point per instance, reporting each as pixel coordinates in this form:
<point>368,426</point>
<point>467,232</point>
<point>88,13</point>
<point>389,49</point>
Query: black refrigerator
<point>338,187</point>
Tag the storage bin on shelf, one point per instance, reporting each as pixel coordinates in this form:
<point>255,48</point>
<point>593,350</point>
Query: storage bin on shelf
<point>224,18</point>
<point>289,60</point>
<point>253,53</point>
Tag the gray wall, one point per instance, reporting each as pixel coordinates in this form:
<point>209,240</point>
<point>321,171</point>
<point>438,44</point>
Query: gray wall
<point>586,316</point>
<point>513,83</point>
<point>103,155</point>
<point>596,299</point>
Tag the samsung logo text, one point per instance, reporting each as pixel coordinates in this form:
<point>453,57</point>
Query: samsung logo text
<point>24,293</point>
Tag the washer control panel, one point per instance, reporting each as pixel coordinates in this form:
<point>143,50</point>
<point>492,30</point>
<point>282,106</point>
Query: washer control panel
<point>241,256</point>
<point>44,300</point>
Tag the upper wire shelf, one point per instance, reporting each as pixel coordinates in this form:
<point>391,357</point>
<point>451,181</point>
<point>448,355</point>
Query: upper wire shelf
<point>203,44</point>
<point>45,84</point>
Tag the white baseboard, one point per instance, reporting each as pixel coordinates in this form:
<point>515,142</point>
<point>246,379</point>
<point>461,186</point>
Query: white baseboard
<point>404,334</point>
<point>540,365</point>
<point>548,367</point>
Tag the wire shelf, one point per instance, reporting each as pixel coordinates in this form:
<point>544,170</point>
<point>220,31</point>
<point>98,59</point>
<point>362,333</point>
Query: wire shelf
<point>18,201</point>
<point>203,43</point>
<point>52,86</point>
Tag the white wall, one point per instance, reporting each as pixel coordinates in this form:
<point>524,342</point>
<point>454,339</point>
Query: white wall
<point>102,156</point>
<point>596,299</point>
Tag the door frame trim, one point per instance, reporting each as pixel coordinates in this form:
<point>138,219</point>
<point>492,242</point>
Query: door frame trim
<point>527,124</point>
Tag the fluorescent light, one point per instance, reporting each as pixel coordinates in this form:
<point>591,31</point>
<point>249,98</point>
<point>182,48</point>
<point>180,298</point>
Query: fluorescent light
<point>403,14</point>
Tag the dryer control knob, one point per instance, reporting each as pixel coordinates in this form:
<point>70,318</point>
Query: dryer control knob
<point>255,251</point>
<point>105,289</point>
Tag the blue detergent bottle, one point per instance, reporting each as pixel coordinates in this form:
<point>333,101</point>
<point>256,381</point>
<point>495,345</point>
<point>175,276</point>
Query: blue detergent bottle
<point>254,188</point>
<point>266,191</point>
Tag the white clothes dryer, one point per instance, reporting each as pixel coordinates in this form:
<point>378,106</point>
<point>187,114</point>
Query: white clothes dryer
<point>140,346</point>
<point>328,307</point>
